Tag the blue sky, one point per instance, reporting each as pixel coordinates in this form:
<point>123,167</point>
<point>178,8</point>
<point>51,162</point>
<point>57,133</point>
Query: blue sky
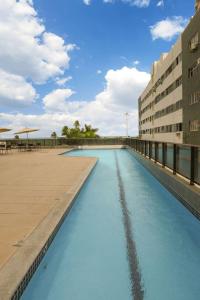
<point>79,59</point>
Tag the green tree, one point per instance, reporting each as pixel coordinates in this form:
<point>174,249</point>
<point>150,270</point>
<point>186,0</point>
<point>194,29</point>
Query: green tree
<point>90,132</point>
<point>66,131</point>
<point>54,135</point>
<point>77,132</point>
<point>77,125</point>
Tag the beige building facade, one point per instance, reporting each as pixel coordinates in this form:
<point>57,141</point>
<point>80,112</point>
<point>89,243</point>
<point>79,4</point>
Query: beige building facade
<point>160,105</point>
<point>169,107</point>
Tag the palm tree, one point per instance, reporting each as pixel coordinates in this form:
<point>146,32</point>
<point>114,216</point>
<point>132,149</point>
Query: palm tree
<point>66,131</point>
<point>54,135</point>
<point>90,132</point>
<point>77,132</point>
<point>77,125</point>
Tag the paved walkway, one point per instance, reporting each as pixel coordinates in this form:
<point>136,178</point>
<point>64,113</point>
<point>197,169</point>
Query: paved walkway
<point>32,186</point>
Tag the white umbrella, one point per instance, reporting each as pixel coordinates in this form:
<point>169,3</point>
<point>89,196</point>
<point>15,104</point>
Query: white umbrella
<point>4,129</point>
<point>27,131</point>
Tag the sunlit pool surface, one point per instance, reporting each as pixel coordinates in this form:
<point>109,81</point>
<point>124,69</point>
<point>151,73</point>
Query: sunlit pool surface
<point>126,237</point>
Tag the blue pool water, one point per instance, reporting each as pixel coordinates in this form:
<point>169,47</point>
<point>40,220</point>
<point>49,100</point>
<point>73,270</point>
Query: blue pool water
<point>123,220</point>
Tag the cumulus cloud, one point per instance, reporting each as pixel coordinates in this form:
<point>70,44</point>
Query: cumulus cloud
<point>106,111</point>
<point>58,101</point>
<point>15,91</point>
<point>28,49</point>
<point>169,28</point>
<point>123,87</point>
<point>28,53</point>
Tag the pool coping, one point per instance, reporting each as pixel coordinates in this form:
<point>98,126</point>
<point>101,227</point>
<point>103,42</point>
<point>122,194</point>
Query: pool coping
<point>18,271</point>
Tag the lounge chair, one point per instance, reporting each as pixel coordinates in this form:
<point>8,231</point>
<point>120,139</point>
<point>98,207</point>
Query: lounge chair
<point>4,147</point>
<point>21,146</point>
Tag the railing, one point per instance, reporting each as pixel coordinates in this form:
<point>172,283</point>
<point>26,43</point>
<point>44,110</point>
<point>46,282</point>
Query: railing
<point>59,142</point>
<point>181,159</point>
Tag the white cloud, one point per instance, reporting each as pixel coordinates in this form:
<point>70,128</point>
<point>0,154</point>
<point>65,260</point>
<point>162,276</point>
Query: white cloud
<point>169,28</point>
<point>28,49</point>
<point>29,54</point>
<point>63,81</point>
<point>160,3</point>
<point>123,87</point>
<point>15,91</point>
<point>136,62</point>
<point>99,72</point>
<point>138,3</point>
<point>46,122</point>
<point>56,100</point>
<point>87,2</point>
<point>106,111</point>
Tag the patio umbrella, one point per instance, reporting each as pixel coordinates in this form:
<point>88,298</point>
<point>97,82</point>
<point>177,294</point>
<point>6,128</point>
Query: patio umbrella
<point>27,131</point>
<point>4,129</point>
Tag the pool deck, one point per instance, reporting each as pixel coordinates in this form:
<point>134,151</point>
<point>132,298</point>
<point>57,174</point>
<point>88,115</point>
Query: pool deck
<point>36,188</point>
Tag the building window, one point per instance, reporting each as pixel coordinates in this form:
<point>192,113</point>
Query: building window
<point>168,128</point>
<point>179,104</point>
<point>178,127</point>
<point>178,59</point>
<point>195,98</point>
<point>178,82</point>
<point>194,70</point>
<point>193,44</point>
<point>162,78</point>
<point>195,125</point>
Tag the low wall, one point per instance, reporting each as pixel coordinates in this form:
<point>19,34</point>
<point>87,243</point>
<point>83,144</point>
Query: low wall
<point>67,142</point>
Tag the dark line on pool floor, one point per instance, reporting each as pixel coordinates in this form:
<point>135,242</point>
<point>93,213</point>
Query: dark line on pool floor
<point>136,289</point>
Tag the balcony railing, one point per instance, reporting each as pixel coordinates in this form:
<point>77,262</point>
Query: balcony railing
<point>59,142</point>
<point>181,159</point>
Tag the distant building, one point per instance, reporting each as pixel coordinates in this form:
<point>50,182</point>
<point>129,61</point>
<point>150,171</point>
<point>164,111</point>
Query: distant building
<point>169,107</point>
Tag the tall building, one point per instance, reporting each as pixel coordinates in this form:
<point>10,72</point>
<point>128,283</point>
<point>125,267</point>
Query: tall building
<point>191,80</point>
<point>169,107</point>
<point>197,5</point>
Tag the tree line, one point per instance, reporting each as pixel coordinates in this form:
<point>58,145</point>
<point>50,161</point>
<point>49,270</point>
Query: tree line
<point>77,131</point>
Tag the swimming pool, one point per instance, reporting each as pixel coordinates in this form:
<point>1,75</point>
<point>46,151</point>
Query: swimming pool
<point>126,237</point>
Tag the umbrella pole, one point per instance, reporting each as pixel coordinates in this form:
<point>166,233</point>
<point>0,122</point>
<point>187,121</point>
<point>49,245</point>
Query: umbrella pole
<point>27,140</point>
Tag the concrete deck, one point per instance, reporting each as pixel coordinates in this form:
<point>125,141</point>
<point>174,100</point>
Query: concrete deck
<point>35,190</point>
